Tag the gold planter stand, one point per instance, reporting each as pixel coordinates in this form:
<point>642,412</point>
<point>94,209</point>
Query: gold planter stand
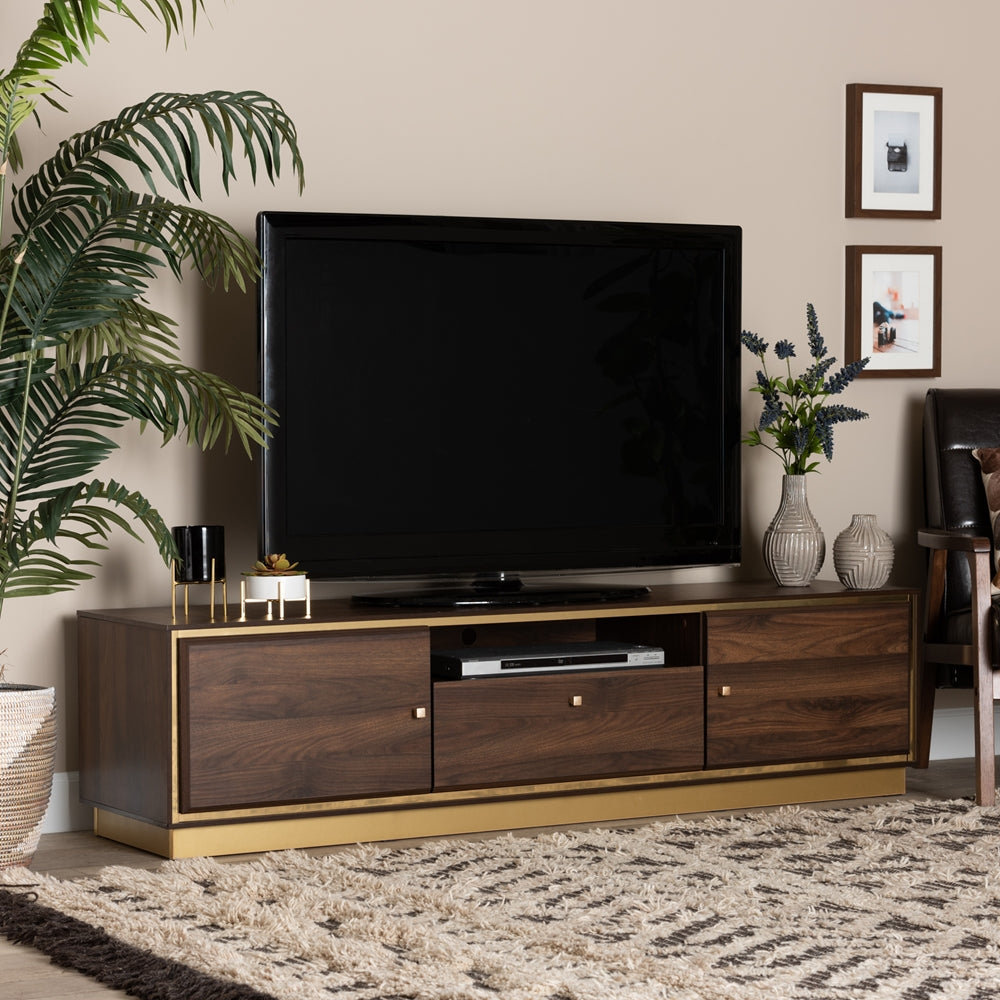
<point>269,601</point>
<point>175,583</point>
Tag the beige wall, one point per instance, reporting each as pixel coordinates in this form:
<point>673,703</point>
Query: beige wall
<point>728,111</point>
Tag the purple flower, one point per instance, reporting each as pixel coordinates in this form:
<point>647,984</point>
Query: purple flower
<point>796,423</point>
<point>839,382</point>
<point>753,343</point>
<point>816,346</point>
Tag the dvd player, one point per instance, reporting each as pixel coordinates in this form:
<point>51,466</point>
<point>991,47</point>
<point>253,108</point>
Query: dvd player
<point>454,664</point>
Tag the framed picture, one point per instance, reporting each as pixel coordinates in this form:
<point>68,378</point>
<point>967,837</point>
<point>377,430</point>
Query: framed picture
<point>893,310</point>
<point>893,151</point>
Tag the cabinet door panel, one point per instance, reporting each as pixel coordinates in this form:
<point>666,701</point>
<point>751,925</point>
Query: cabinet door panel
<point>279,719</point>
<point>515,730</point>
<point>794,684</point>
<point>768,713</point>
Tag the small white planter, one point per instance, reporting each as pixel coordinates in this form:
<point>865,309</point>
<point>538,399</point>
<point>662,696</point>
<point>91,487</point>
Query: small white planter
<point>256,589</point>
<point>274,588</point>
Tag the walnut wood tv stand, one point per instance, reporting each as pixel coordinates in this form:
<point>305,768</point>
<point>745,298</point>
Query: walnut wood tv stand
<point>224,737</point>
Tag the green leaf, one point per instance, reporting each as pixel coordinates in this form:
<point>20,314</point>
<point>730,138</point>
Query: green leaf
<point>65,33</point>
<point>160,133</point>
<point>84,514</point>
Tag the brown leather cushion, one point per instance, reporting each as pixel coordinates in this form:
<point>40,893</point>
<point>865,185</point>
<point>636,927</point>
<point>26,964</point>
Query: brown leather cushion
<point>989,462</point>
<point>956,421</point>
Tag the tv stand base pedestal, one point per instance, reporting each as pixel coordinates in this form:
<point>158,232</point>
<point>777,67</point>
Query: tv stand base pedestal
<point>449,819</point>
<point>211,738</point>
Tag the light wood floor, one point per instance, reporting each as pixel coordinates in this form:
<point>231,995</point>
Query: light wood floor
<point>26,974</point>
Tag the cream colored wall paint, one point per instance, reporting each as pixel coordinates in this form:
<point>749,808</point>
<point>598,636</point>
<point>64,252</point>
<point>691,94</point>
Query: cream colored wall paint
<point>722,111</point>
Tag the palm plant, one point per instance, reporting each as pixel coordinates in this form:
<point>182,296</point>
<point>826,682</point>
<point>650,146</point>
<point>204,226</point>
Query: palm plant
<point>82,352</point>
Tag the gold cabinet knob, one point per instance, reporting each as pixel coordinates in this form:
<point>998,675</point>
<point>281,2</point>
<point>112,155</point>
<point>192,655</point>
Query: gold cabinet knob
<point>420,713</point>
<point>725,691</point>
<point>576,701</point>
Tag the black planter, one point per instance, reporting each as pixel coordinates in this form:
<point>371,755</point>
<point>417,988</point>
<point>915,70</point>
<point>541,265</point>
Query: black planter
<point>198,545</point>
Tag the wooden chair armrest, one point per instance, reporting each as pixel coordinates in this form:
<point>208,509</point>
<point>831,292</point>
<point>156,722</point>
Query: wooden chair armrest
<point>953,541</point>
<point>978,551</point>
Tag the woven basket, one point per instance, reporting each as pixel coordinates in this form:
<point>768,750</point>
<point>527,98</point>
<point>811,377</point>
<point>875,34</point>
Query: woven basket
<point>27,758</point>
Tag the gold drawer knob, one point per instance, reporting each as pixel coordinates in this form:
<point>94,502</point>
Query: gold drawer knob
<point>576,701</point>
<point>725,691</point>
<point>420,713</point>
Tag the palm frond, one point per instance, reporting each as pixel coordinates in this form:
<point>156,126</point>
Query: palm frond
<point>79,274</point>
<point>169,12</point>
<point>179,400</point>
<point>15,373</point>
<point>70,410</point>
<point>85,514</point>
<point>160,133</point>
<point>186,235</point>
<point>59,437</point>
<point>66,33</point>
<point>138,331</point>
<point>43,572</point>
<point>74,275</point>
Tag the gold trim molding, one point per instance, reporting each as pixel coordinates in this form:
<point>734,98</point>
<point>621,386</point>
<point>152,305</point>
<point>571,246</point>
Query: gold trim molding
<point>618,805</point>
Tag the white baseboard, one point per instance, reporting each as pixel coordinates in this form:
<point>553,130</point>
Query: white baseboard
<point>65,811</point>
<point>951,737</point>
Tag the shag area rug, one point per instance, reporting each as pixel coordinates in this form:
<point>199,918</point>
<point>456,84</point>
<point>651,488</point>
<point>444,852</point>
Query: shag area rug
<point>898,900</point>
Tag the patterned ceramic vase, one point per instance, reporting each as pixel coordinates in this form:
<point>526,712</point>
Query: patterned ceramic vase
<point>794,546</point>
<point>863,554</point>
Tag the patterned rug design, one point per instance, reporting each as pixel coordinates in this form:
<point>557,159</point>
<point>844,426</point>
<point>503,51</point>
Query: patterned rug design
<point>899,900</point>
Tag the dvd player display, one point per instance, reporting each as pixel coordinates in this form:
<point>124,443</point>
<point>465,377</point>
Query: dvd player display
<point>454,664</point>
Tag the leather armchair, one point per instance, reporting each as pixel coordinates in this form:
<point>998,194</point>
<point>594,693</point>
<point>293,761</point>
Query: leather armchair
<point>961,620</point>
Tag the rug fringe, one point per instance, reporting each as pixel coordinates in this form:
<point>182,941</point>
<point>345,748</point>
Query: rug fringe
<point>73,944</point>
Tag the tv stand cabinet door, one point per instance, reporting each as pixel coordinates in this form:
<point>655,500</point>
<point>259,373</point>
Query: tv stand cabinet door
<point>284,719</point>
<point>807,684</point>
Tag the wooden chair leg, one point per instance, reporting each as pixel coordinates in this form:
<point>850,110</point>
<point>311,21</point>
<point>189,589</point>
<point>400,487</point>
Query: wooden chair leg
<point>927,673</point>
<point>927,687</point>
<point>983,684</point>
<point>985,759</point>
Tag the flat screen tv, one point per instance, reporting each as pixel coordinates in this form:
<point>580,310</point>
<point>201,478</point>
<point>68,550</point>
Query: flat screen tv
<point>470,405</point>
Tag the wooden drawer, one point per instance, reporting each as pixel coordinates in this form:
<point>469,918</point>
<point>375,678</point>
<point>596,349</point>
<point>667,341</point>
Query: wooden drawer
<point>268,720</point>
<point>515,730</point>
<point>803,684</point>
<point>803,634</point>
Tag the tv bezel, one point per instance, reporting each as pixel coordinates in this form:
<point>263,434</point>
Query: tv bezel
<point>452,572</point>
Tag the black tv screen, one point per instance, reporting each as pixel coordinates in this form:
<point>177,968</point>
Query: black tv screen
<point>469,401</point>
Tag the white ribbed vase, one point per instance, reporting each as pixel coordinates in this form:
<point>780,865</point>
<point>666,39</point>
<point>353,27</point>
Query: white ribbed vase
<point>794,546</point>
<point>863,554</point>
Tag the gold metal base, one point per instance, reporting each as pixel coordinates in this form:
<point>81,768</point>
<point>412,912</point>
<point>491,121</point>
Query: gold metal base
<point>175,583</point>
<point>452,818</point>
<point>269,601</point>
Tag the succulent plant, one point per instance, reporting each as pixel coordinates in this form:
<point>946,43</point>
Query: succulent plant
<point>275,564</point>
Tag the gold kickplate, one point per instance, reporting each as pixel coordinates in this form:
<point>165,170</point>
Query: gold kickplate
<point>454,818</point>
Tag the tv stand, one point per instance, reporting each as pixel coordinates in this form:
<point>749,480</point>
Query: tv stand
<point>223,737</point>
